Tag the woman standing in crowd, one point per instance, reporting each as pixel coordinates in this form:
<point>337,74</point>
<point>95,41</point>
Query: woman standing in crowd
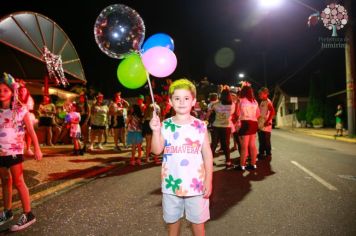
<point>84,111</point>
<point>116,111</point>
<point>224,110</point>
<point>47,111</point>
<point>248,113</point>
<point>27,101</point>
<point>99,119</point>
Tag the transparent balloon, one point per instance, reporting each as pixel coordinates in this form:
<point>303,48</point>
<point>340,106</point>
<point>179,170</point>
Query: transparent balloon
<point>119,30</point>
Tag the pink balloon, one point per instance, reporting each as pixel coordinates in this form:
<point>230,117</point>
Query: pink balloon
<point>159,61</point>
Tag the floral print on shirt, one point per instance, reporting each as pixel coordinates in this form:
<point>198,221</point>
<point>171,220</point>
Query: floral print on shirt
<point>183,170</point>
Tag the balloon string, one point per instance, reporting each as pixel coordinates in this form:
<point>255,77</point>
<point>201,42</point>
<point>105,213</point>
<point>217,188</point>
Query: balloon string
<point>151,92</point>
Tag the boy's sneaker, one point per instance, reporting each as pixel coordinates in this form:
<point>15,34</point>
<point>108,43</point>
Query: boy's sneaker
<point>240,168</point>
<point>5,217</point>
<point>24,221</point>
<point>252,167</point>
<point>100,146</point>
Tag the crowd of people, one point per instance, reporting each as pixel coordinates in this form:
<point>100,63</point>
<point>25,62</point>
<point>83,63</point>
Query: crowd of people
<point>232,114</point>
<point>177,123</point>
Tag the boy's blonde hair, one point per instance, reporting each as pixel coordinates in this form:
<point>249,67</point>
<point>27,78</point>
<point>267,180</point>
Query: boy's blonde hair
<point>182,84</point>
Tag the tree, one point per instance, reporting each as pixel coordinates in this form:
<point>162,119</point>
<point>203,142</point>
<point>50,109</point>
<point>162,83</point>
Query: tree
<point>315,107</point>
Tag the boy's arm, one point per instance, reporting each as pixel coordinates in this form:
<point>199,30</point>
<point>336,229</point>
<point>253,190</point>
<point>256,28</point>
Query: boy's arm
<point>157,143</point>
<point>208,165</point>
<point>31,132</point>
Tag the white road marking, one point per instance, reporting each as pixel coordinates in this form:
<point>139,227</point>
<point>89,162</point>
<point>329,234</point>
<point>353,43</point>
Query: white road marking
<point>349,177</point>
<point>316,177</point>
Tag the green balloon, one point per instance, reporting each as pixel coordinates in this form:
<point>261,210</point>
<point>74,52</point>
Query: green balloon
<point>62,114</point>
<point>131,72</point>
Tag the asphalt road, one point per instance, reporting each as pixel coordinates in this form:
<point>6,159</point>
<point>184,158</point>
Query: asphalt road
<point>309,188</point>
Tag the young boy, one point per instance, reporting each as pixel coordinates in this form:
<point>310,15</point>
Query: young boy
<point>187,161</point>
<point>265,124</point>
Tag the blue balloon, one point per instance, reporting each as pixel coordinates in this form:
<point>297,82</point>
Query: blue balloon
<point>161,39</point>
<point>67,118</point>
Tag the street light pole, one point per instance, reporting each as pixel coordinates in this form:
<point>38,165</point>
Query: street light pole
<point>350,74</point>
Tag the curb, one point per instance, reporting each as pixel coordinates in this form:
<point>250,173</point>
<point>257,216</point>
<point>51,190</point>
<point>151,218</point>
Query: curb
<point>343,139</point>
<point>65,185</point>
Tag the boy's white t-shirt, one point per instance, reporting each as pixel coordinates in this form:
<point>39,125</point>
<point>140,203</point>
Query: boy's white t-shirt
<point>183,170</point>
<point>12,137</point>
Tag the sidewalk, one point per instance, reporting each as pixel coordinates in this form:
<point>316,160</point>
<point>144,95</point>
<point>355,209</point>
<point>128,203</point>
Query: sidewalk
<point>60,171</point>
<point>328,133</point>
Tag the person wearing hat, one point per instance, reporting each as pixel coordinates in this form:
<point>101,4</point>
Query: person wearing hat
<point>99,119</point>
<point>116,111</point>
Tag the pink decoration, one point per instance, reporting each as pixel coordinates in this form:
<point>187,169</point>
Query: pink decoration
<point>159,61</point>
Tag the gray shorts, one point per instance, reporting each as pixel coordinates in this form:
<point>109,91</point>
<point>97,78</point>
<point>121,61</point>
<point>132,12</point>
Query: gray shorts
<point>196,208</point>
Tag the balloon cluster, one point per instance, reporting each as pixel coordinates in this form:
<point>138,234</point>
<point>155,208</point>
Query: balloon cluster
<point>119,32</point>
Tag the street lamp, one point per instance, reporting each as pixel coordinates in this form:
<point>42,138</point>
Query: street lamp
<point>241,76</point>
<point>270,3</point>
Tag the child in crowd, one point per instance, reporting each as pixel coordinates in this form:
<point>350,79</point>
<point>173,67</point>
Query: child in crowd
<point>14,118</point>
<point>134,133</point>
<point>73,118</point>
<point>265,124</point>
<point>187,161</point>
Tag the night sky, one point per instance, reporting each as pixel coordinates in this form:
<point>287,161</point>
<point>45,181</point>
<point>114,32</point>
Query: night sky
<point>199,29</point>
